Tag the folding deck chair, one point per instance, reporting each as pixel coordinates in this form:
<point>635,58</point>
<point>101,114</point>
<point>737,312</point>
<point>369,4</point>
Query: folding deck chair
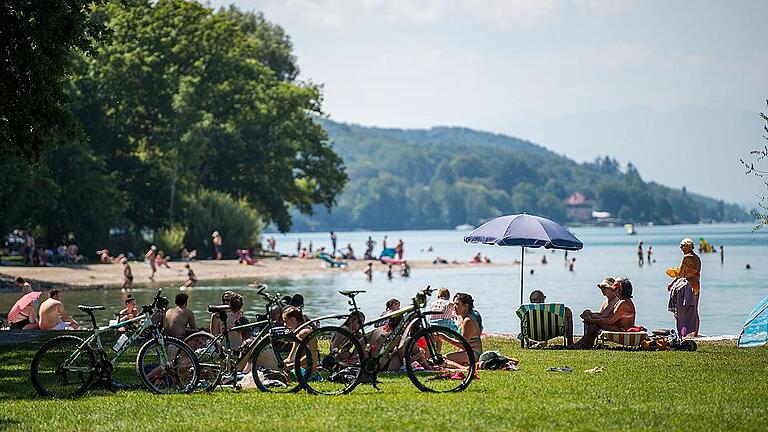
<point>540,322</point>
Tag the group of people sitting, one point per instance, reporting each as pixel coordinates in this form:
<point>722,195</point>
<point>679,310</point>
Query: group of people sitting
<point>50,316</point>
<point>616,313</point>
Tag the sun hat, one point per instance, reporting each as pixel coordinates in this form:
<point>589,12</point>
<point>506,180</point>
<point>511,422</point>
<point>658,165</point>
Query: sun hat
<point>606,283</point>
<point>686,242</point>
<point>215,234</point>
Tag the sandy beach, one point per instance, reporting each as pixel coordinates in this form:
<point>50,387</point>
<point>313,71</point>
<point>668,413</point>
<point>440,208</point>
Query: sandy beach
<point>111,275</point>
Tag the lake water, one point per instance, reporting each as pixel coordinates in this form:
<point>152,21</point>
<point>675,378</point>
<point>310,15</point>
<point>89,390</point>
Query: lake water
<point>729,290</point>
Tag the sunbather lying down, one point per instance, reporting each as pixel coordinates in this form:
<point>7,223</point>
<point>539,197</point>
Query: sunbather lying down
<point>620,317</point>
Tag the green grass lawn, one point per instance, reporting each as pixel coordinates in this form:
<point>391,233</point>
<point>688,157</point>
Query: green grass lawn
<point>718,387</point>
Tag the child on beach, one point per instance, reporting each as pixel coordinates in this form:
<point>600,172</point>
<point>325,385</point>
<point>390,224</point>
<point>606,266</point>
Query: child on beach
<point>191,278</point>
<point>127,276</point>
<point>151,256</point>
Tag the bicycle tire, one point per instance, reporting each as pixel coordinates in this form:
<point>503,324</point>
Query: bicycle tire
<point>187,364</point>
<point>265,363</point>
<point>209,357</point>
<point>440,385</point>
<point>86,379</point>
<point>313,375</point>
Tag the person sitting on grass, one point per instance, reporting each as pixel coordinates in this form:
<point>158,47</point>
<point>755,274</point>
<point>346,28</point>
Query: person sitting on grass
<point>180,319</point>
<point>53,316</point>
<point>443,305</point>
<point>621,318</point>
<point>471,327</point>
<point>608,289</point>
<point>293,318</point>
<point>353,324</point>
<point>130,311</point>
<point>539,297</point>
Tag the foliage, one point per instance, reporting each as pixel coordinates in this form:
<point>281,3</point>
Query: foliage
<point>170,239</point>
<point>760,215</point>
<point>443,177</point>
<point>37,39</point>
<point>724,386</point>
<point>236,220</point>
<point>185,98</point>
<point>67,196</point>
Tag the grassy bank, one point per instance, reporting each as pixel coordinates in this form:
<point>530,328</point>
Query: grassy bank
<point>718,387</point>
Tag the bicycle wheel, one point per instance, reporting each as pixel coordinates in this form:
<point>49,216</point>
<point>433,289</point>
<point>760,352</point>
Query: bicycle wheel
<point>429,349</point>
<point>269,361</point>
<point>172,368</point>
<point>59,370</point>
<point>328,361</point>
<point>209,356</point>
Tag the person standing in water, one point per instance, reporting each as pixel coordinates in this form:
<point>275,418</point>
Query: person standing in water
<point>722,255</point>
<point>369,272</point>
<point>191,277</point>
<point>333,243</point>
<point>298,247</point>
<point>640,253</point>
<point>650,252</point>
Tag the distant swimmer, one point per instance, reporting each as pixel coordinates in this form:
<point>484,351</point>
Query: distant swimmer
<point>543,259</point>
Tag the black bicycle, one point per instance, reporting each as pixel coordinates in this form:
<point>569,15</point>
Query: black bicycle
<point>332,360</point>
<point>266,350</point>
<point>67,366</point>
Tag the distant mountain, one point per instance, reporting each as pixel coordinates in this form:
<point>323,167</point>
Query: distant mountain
<point>446,176</point>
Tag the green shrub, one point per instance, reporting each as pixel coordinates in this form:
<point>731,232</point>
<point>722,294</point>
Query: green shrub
<point>171,239</point>
<point>236,220</point>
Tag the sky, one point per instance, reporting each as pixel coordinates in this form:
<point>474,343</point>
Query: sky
<point>675,87</point>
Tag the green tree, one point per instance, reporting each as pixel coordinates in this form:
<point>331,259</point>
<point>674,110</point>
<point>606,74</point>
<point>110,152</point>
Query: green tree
<point>185,98</point>
<point>37,39</point>
<point>236,220</point>
<point>761,214</point>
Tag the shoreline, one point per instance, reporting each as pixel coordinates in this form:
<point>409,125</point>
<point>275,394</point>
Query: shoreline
<point>89,276</point>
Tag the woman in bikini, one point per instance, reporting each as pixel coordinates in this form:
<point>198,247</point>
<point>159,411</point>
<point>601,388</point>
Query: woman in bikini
<point>471,328</point>
<point>622,317</point>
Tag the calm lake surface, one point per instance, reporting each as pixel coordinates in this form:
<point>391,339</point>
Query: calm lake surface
<point>729,290</point>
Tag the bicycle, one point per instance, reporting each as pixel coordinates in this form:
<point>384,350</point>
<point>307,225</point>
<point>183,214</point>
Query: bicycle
<point>332,360</point>
<point>267,351</point>
<point>67,366</point>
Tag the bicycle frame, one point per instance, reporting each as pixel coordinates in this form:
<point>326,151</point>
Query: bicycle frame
<point>146,322</point>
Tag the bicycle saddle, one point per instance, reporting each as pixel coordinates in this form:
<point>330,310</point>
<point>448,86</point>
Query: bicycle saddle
<point>90,308</point>
<point>217,308</point>
<point>350,293</point>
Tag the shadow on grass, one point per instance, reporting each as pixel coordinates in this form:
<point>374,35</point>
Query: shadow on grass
<point>7,424</point>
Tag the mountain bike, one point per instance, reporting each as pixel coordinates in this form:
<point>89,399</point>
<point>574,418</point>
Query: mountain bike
<point>266,351</point>
<point>332,360</point>
<point>67,366</point>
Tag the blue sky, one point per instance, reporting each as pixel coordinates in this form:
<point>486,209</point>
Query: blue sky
<point>673,86</point>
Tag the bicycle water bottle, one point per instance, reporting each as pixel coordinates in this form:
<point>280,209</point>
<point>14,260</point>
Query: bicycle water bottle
<point>120,342</point>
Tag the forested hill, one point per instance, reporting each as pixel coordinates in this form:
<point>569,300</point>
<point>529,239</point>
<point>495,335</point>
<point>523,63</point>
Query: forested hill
<point>445,176</point>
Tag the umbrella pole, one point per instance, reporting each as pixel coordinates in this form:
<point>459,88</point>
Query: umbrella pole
<point>522,273</point>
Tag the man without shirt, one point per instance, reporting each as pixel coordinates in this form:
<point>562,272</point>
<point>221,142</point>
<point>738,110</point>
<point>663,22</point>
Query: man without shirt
<point>178,319</point>
<point>53,316</point>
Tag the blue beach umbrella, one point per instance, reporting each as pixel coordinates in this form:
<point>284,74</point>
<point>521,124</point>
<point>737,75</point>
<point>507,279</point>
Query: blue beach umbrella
<point>527,231</point>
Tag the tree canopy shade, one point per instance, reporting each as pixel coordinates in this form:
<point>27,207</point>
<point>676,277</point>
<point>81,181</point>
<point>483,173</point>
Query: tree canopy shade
<point>37,39</point>
<point>184,98</point>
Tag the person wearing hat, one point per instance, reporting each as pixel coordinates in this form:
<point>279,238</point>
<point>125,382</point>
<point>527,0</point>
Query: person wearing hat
<point>690,268</point>
<point>217,242</point>
<point>539,297</point>
<point>608,288</point>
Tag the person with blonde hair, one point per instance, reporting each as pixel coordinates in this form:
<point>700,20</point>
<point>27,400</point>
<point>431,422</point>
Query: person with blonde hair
<point>690,269</point>
<point>443,305</point>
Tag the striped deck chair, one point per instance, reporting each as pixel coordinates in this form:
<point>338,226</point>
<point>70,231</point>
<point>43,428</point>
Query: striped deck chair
<point>540,322</point>
<point>627,339</point>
